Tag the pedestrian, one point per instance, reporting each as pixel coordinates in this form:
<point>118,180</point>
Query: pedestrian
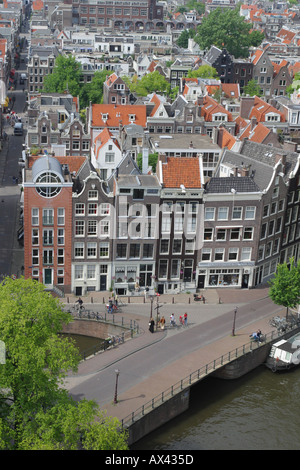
<point>116,300</point>
<point>151,325</point>
<point>181,319</point>
<point>162,322</point>
<point>172,320</point>
<point>185,319</point>
<point>110,305</point>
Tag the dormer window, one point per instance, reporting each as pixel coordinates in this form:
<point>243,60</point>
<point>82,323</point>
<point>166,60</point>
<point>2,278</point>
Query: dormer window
<point>104,116</point>
<point>131,117</point>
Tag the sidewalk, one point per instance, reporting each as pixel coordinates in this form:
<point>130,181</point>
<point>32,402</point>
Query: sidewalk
<point>212,296</point>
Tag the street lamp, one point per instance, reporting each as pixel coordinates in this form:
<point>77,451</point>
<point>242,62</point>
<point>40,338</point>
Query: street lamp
<point>234,317</point>
<point>151,297</point>
<point>116,386</point>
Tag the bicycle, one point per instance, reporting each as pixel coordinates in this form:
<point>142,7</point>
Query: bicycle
<point>113,309</point>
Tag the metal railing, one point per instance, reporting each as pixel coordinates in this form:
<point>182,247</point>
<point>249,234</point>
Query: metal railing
<point>199,374</point>
<point>107,344</point>
<point>131,328</point>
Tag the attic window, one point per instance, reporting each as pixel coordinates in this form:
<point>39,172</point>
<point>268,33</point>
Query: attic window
<point>104,116</point>
<point>131,117</point>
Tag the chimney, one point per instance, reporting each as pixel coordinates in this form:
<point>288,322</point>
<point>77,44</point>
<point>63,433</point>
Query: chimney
<point>247,103</point>
<point>245,171</point>
<point>253,123</point>
<point>281,158</point>
<point>191,145</point>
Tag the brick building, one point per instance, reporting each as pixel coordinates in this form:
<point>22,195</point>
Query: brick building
<point>127,14</point>
<point>48,185</point>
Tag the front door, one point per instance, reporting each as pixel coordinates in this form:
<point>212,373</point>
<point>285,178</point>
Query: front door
<point>47,276</point>
<point>201,281</point>
<point>102,282</point>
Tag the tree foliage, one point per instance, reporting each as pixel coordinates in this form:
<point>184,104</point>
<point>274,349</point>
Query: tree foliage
<point>152,82</point>
<point>204,71</point>
<point>183,40</point>
<point>35,411</point>
<point>252,88</point>
<point>227,29</point>
<point>67,75</point>
<point>285,285</point>
<point>93,91</point>
<point>153,157</point>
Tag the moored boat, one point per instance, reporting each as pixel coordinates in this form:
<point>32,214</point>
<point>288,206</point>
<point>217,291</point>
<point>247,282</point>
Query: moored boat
<point>285,354</point>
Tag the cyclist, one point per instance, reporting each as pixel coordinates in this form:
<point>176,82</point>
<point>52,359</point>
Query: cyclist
<point>79,301</point>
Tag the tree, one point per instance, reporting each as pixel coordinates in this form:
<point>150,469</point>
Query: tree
<point>35,411</point>
<point>183,40</point>
<point>226,29</point>
<point>93,91</point>
<point>65,76</point>
<point>149,83</point>
<point>153,157</point>
<point>252,88</point>
<point>285,285</point>
<point>204,71</point>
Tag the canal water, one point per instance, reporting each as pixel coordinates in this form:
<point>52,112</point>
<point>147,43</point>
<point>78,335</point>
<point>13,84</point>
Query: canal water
<point>86,344</point>
<point>259,411</point>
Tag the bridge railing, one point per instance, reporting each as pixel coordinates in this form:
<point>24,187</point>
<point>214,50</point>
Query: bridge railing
<point>130,328</point>
<point>197,375</point>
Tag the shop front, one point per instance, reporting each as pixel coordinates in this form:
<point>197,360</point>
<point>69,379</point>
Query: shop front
<point>226,275</point>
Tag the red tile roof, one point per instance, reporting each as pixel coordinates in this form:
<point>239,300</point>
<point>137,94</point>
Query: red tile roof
<point>37,5</point>
<point>256,56</point>
<point>155,99</point>
<point>117,114</point>
<point>231,90</point>
<point>293,69</point>
<point>74,162</point>
<point>228,140</point>
<point>258,134</point>
<point>286,35</point>
<point>111,79</point>
<point>211,107</point>
<point>261,108</point>
<point>241,123</point>
<point>181,170</point>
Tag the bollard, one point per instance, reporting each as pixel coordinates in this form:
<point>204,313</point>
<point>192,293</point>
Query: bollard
<point>68,300</point>
<point>92,300</point>
<point>189,300</point>
<point>172,300</point>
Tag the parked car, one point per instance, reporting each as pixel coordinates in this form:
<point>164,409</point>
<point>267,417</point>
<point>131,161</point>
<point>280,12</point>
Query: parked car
<point>23,77</point>
<point>18,129</point>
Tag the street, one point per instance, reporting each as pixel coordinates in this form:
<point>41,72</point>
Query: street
<point>11,253</point>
